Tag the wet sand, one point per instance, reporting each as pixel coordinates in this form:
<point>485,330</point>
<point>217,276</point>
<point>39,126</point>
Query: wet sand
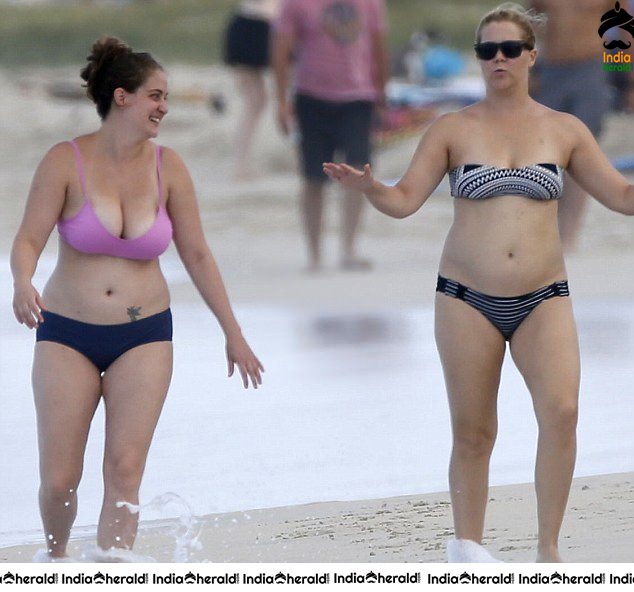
<point>599,528</point>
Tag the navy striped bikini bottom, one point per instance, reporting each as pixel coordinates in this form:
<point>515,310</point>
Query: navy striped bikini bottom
<point>506,313</point>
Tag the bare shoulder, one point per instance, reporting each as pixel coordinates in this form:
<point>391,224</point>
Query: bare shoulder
<point>458,121</point>
<point>60,153</point>
<point>174,170</point>
<point>567,124</point>
<point>452,126</point>
<point>171,160</point>
<point>173,166</point>
<point>49,187</point>
<point>447,125</point>
<point>453,119</point>
<point>58,162</point>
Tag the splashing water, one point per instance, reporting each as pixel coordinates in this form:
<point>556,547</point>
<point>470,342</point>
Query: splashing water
<point>94,554</point>
<point>187,529</point>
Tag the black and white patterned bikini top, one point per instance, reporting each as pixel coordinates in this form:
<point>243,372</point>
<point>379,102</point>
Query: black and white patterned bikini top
<point>478,181</point>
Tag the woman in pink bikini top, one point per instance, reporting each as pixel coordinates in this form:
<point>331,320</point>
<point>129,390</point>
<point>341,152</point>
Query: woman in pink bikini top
<point>86,233</point>
<point>104,325</point>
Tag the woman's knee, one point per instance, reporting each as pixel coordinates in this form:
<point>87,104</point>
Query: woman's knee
<point>59,486</point>
<point>254,93</point>
<point>473,440</point>
<point>258,102</point>
<point>123,473</point>
<point>559,419</point>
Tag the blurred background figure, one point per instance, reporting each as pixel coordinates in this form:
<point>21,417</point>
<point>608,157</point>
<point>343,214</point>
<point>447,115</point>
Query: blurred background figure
<point>407,63</point>
<point>569,77</point>
<point>440,60</point>
<point>429,58</point>
<point>247,49</point>
<point>341,72</point>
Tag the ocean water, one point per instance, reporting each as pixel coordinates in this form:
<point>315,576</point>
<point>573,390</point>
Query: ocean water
<point>352,407</point>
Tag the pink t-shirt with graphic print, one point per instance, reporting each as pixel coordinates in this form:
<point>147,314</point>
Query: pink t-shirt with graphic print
<point>333,46</point>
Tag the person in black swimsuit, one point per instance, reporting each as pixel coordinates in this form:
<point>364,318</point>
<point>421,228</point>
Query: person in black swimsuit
<point>502,273</point>
<point>246,50</point>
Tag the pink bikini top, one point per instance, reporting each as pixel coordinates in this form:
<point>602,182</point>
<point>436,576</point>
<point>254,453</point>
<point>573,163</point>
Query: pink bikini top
<point>86,233</point>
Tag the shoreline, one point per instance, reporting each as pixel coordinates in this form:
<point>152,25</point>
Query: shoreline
<point>598,528</point>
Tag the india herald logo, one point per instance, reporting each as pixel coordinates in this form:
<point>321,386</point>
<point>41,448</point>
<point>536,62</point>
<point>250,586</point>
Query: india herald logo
<point>617,17</point>
<point>620,19</point>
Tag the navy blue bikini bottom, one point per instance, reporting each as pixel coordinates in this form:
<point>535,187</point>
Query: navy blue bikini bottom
<point>505,313</point>
<point>103,344</point>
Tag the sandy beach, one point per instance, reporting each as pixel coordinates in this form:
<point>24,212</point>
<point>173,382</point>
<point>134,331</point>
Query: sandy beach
<point>599,528</point>
<point>253,230</point>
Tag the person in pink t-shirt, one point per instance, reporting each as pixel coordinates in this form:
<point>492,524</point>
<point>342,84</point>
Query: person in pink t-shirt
<point>341,60</point>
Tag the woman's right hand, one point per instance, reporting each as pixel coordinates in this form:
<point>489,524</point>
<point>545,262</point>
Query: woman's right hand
<point>240,354</point>
<point>28,306</point>
<point>350,177</point>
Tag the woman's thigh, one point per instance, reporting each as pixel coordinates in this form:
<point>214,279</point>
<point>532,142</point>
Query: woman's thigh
<point>471,351</point>
<point>66,389</point>
<point>545,348</point>
<point>134,390</point>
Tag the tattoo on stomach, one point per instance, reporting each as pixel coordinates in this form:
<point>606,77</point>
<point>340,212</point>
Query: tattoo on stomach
<point>134,312</point>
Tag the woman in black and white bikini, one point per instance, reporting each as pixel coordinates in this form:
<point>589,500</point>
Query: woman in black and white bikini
<point>502,273</point>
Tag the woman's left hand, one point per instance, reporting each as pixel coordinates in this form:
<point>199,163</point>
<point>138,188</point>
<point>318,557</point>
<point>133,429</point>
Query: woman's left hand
<point>239,353</point>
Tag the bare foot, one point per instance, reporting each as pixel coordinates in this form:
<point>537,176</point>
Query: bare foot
<point>45,556</point>
<point>548,555</point>
<point>313,267</point>
<point>355,264</point>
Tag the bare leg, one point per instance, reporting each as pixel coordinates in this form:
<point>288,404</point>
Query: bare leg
<point>312,214</point>
<point>134,390</point>
<point>471,351</point>
<point>252,89</point>
<point>572,209</point>
<point>352,206</point>
<point>67,389</point>
<point>546,352</point>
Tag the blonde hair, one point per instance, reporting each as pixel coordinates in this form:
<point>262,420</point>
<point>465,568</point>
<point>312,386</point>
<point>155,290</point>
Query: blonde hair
<point>511,12</point>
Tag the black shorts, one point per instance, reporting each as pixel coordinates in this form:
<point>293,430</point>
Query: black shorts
<point>582,89</point>
<point>327,128</point>
<point>247,42</point>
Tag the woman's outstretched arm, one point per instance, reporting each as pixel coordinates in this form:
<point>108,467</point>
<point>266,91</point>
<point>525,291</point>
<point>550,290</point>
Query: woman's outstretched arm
<point>427,168</point>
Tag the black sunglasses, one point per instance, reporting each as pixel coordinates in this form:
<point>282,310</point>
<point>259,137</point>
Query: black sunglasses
<point>510,49</point>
